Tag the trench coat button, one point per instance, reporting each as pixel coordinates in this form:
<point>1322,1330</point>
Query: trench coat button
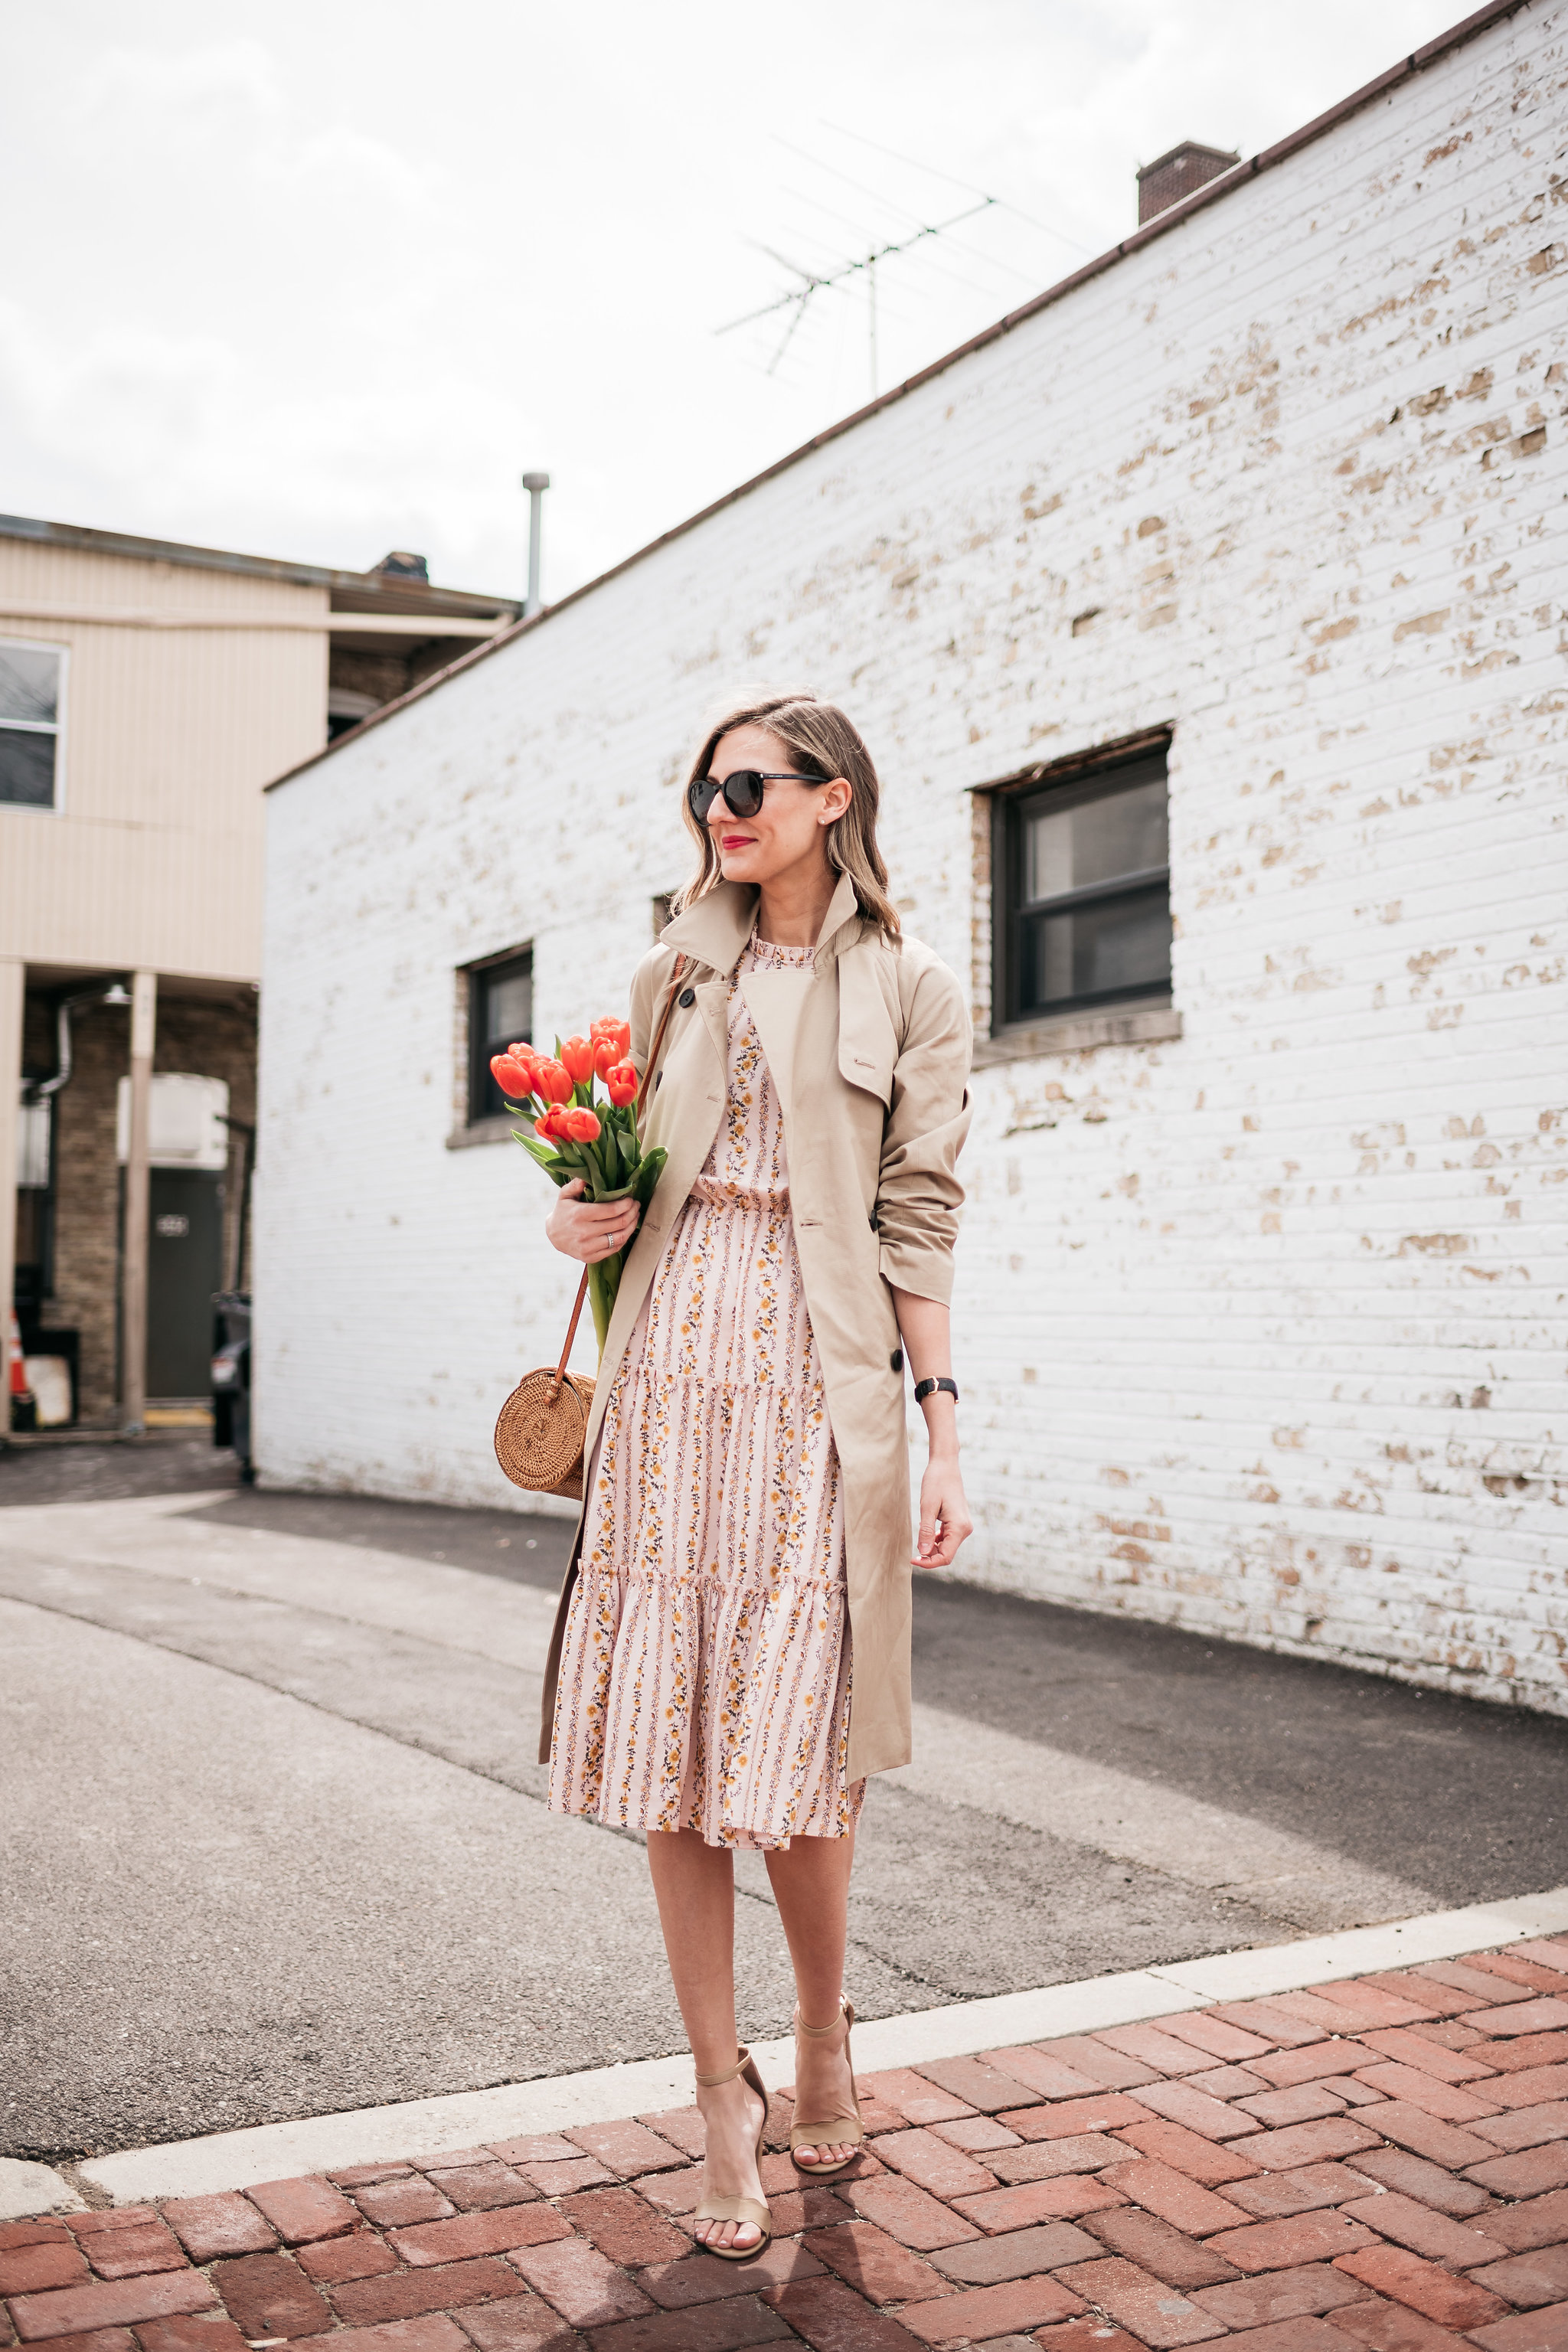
<point>895,1360</point>
<point>688,997</point>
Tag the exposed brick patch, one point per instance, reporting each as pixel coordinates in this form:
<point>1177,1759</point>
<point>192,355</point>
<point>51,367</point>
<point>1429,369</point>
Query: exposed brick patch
<point>408,2294</point>
<point>1151,2046</point>
<point>1089,2333</point>
<point>1106,2069</point>
<point>1305,2238</point>
<point>1527,2175</point>
<point>1043,2158</point>
<point>932,2164</point>
<point>1168,2253</point>
<point>1392,2327</point>
<point>877,2266</point>
<point>1409,2223</point>
<point>714,2327</point>
<point>1320,2143</point>
<point>132,2252</point>
<point>1396,2167</point>
<point>1156,2314</point>
<point>478,2186</point>
<point>198,2331</point>
<point>1543,2221</point>
<point>834,2319</point>
<point>1066,2117</point>
<point>1312,2289</point>
<point>624,2229</point>
<point>1199,2159</point>
<point>1529,2280</point>
<point>1183,2203</point>
<point>110,2303</point>
<point>267,2294</point>
<point>535,2148</point>
<point>98,2339</point>
<point>562,2179</point>
<point>1048,2075</point>
<point>1533,2331</point>
<point>302,2210</point>
<point>465,2235</point>
<point>984,2086</point>
<point>991,2311</point>
<point>225,2223</point>
<point>436,2334</point>
<point>32,2233</point>
<point>394,2204</point>
<point>1273,2196</point>
<point>30,2269</point>
<point>626,2149</point>
<point>1017,2254</point>
<point>702,2278</point>
<point>1210,2118</point>
<point>1317,2062</point>
<point>361,2254</point>
<point>1061,2200</point>
<point>682,2127</point>
<point>1405,2278</point>
<point>1303,2103</point>
<point>524,2322</point>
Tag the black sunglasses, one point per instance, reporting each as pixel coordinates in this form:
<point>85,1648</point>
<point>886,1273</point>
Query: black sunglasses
<point>743,792</point>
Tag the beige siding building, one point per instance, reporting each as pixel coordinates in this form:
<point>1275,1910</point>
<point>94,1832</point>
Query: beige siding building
<point>148,691</point>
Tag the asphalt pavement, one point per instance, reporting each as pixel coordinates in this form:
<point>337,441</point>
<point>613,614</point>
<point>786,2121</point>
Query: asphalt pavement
<point>277,1845</point>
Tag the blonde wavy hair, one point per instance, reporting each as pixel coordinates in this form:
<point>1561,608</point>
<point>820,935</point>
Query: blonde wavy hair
<point>822,741</point>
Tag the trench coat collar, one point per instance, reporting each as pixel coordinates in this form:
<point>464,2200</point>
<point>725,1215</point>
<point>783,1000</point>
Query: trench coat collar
<point>715,930</point>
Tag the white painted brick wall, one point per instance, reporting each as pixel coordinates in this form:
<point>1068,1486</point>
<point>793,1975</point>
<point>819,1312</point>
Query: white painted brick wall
<point>1260,1331</point>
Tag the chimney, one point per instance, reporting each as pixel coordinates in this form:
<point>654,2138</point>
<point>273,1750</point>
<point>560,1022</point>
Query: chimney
<point>400,565</point>
<point>1169,178</point>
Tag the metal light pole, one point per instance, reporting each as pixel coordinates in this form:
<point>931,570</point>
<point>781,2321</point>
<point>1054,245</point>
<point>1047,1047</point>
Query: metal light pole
<point>535,485</point>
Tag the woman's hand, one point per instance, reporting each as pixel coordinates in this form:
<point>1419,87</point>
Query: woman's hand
<point>590,1230</point>
<point>944,1514</point>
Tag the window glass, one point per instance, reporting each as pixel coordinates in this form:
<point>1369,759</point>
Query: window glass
<point>500,1013</point>
<point>29,724</point>
<point>509,1008</point>
<point>1107,948</point>
<point>26,768</point>
<point>1125,833</point>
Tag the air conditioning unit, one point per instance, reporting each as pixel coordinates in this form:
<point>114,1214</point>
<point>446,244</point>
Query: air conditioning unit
<point>185,1117</point>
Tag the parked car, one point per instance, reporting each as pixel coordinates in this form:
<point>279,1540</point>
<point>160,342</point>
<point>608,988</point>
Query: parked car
<point>231,1376</point>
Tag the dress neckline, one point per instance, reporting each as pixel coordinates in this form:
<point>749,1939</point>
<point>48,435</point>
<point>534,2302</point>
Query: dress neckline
<point>766,952</point>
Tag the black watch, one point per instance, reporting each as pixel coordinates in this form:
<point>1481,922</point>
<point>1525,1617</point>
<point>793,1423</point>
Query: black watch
<point>928,1388</point>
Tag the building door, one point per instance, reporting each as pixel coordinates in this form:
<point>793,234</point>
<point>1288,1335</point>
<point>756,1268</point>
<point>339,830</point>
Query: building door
<point>184,1266</point>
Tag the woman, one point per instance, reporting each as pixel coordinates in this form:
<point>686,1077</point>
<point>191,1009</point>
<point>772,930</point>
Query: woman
<point>732,1650</point>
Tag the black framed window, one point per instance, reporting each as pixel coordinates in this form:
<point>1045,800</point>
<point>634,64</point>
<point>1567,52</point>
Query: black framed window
<point>1084,895</point>
<point>31,678</point>
<point>500,1013</point>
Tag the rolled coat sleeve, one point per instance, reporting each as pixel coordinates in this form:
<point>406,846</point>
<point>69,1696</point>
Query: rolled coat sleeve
<point>918,1195</point>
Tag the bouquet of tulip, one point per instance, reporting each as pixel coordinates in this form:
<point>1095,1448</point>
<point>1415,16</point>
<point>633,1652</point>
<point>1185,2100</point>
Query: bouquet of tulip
<point>574,1134</point>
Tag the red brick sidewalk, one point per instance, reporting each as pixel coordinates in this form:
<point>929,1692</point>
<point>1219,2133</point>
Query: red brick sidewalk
<point>1378,2166</point>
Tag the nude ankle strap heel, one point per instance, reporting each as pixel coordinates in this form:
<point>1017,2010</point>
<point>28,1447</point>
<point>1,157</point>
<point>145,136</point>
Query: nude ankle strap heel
<point>834,2131</point>
<point>739,2208</point>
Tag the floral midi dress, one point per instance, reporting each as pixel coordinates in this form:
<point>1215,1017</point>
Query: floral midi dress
<point>705,1671</point>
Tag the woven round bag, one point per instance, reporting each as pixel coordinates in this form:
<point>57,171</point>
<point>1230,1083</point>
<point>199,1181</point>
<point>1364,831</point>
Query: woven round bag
<point>540,1432</point>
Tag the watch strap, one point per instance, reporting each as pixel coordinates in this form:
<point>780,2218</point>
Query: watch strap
<point>928,1388</point>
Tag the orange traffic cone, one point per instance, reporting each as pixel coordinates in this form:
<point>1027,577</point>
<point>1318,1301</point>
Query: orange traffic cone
<point>22,1412</point>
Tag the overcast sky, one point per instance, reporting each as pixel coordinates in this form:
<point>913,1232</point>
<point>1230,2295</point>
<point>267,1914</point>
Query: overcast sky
<point>319,280</point>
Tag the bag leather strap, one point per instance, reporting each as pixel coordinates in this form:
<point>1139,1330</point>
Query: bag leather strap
<point>642,1098</point>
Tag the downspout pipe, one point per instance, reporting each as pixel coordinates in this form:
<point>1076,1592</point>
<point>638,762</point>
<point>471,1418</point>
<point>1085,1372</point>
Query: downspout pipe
<point>42,1089</point>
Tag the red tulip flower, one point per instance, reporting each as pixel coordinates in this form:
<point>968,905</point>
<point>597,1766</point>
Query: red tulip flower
<point>552,1080</point>
<point>579,1126</point>
<point>548,1126</point>
<point>578,1056</point>
<point>621,1083</point>
<point>514,1078</point>
<point>616,1032</point>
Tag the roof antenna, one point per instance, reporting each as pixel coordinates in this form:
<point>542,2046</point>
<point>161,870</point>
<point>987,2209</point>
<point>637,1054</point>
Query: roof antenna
<point>812,283</point>
<point>535,485</point>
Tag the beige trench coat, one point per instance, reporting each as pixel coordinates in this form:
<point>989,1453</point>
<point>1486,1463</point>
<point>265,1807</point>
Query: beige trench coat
<point>880,1064</point>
